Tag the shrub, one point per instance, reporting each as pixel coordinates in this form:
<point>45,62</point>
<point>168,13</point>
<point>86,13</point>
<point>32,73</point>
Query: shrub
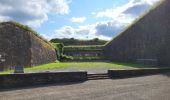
<point>66,58</point>
<point>59,47</point>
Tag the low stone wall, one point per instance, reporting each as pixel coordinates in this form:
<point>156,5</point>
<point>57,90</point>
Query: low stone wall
<point>30,79</point>
<point>125,73</point>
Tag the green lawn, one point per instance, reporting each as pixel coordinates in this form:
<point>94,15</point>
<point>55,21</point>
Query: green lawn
<point>80,66</point>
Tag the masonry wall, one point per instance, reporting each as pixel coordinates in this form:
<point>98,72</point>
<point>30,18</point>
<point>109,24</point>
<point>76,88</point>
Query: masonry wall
<point>34,79</point>
<point>20,47</point>
<point>84,53</point>
<point>41,52</point>
<point>148,38</point>
<point>14,46</point>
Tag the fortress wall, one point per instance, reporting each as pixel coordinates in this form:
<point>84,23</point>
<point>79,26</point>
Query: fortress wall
<point>14,46</point>
<point>148,38</point>
<point>41,52</point>
<point>20,47</point>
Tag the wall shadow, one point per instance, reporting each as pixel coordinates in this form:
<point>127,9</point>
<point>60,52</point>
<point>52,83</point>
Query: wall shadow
<point>39,86</point>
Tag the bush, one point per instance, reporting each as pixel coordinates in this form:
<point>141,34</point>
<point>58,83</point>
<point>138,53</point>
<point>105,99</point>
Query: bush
<point>59,47</point>
<point>66,58</point>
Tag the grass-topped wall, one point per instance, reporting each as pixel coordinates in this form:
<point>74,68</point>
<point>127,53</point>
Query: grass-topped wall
<point>21,46</point>
<point>30,30</point>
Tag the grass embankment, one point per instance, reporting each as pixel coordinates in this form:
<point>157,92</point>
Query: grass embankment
<point>80,66</point>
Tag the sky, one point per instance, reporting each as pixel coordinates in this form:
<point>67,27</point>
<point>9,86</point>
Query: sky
<point>81,19</point>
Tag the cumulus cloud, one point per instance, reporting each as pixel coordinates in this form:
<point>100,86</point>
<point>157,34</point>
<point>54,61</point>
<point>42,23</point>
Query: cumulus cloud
<point>125,14</point>
<point>78,19</point>
<point>31,12</point>
<point>102,30</point>
<point>81,32</point>
<point>121,17</point>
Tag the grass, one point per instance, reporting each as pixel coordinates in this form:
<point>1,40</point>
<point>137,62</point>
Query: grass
<point>80,66</point>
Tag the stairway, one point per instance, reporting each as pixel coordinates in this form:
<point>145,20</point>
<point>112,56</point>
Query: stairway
<point>97,76</point>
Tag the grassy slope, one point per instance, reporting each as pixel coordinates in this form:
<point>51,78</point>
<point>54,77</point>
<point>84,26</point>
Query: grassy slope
<point>81,66</point>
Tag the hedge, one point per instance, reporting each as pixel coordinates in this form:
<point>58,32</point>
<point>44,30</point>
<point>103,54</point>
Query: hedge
<point>92,47</point>
<point>72,41</point>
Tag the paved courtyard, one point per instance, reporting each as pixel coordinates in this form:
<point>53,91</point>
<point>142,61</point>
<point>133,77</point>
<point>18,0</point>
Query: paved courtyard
<point>154,87</point>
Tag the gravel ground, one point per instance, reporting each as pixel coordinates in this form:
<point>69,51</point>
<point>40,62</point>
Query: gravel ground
<point>154,87</point>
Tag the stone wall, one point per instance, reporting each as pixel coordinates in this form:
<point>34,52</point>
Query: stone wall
<point>14,46</point>
<point>84,53</point>
<point>127,73</point>
<point>148,39</point>
<point>20,47</point>
<point>41,52</point>
<point>31,79</point>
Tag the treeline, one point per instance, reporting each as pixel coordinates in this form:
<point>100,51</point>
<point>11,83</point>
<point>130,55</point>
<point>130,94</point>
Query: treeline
<point>87,47</point>
<point>73,41</point>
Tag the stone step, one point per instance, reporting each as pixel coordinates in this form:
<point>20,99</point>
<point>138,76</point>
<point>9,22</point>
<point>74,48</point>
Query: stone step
<point>97,76</point>
<point>102,74</point>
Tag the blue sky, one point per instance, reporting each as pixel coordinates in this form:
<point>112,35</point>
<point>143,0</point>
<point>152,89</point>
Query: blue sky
<point>82,19</point>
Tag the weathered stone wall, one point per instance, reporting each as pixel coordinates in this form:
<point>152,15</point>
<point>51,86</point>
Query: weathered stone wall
<point>14,46</point>
<point>127,73</point>
<point>31,79</point>
<point>147,39</point>
<point>20,47</point>
<point>41,52</point>
<point>84,53</point>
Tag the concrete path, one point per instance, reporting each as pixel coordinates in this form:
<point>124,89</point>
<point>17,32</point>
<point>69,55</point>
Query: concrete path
<point>155,87</point>
<point>90,71</point>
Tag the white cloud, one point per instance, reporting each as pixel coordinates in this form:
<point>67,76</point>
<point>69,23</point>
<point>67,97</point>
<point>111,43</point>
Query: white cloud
<point>121,17</point>
<point>59,6</point>
<point>151,2</point>
<point>81,32</point>
<point>102,30</point>
<point>125,14</point>
<point>32,12</point>
<point>78,19</point>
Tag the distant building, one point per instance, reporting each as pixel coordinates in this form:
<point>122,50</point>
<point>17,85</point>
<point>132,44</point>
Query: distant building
<point>20,46</point>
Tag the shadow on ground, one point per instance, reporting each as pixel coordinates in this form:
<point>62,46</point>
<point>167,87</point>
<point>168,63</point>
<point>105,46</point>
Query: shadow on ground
<point>38,86</point>
<point>166,74</point>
